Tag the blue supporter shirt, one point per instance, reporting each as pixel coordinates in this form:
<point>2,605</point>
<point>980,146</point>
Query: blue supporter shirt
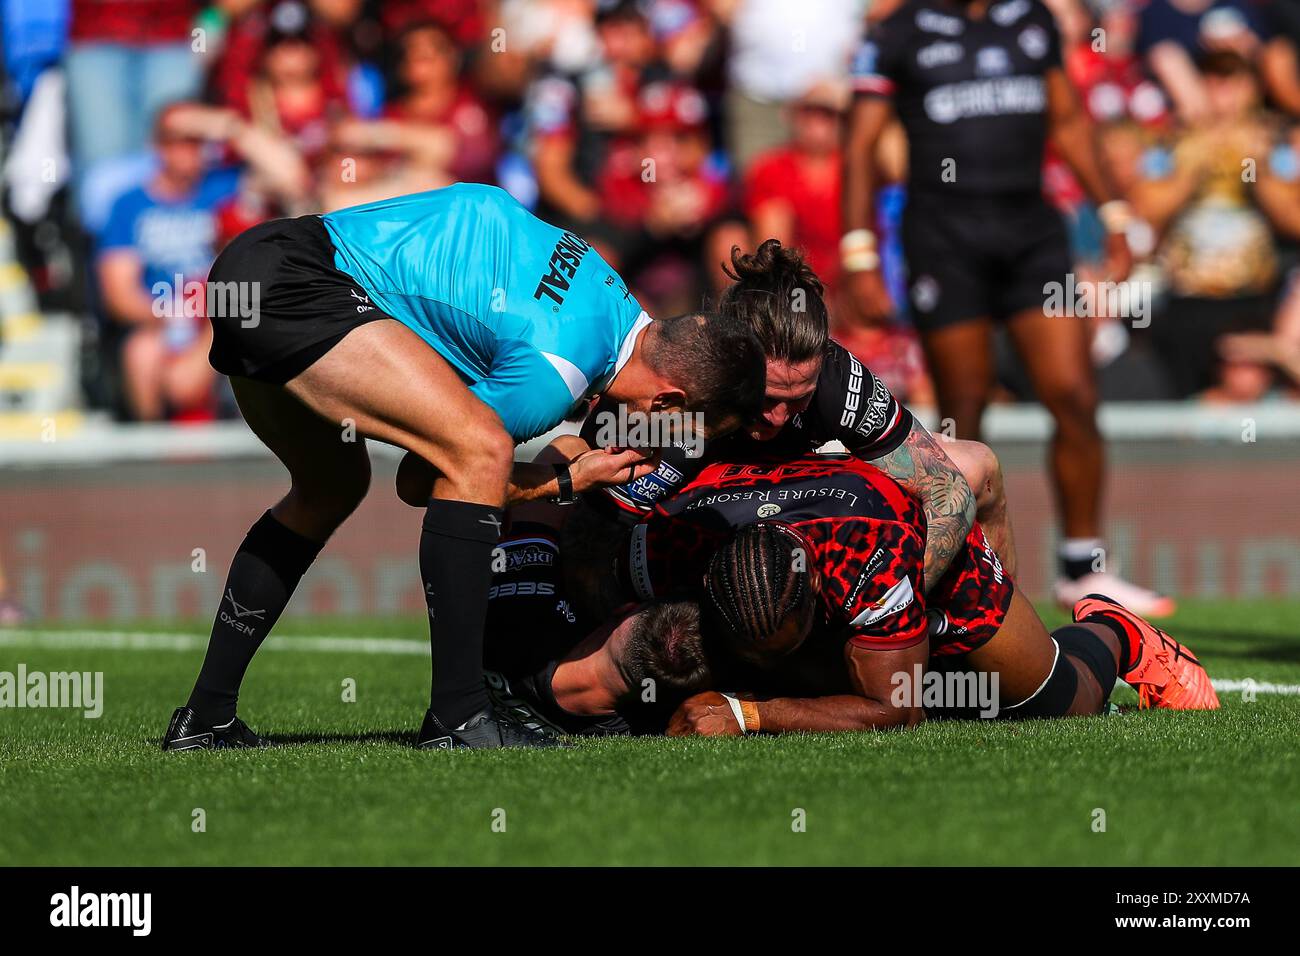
<point>171,236</point>
<point>530,316</point>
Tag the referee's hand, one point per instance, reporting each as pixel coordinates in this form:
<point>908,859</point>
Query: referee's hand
<point>611,466</point>
<point>868,298</point>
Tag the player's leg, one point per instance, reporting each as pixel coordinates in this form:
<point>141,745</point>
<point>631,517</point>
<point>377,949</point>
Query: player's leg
<point>1070,671</point>
<point>328,478</point>
<point>395,388</point>
<point>983,472</point>
<point>960,359</point>
<point>1054,351</point>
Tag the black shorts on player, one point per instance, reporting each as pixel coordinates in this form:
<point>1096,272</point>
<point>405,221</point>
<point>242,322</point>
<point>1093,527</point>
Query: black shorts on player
<point>980,256</point>
<point>297,305</point>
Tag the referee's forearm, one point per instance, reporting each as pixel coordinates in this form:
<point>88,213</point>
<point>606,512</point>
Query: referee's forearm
<point>530,481</point>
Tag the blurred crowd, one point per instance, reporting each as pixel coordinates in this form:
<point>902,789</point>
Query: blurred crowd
<point>142,135</point>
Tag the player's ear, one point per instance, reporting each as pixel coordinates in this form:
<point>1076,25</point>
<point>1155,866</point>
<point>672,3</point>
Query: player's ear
<point>668,400</point>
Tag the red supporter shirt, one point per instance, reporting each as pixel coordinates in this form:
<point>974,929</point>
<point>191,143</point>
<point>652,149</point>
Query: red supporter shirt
<point>475,131</point>
<point>782,175</point>
<point>134,22</point>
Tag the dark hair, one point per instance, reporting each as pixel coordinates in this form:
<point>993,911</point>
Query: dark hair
<point>778,296</point>
<point>754,583</point>
<point>1224,63</point>
<point>715,360</point>
<point>664,646</point>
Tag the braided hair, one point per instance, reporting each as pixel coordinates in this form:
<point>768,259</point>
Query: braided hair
<point>754,583</point>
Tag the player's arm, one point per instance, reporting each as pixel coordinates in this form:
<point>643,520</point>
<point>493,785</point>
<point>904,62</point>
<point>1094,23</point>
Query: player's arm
<point>589,468</point>
<point>874,705</point>
<point>873,72</point>
<point>1072,133</point>
<point>920,465</point>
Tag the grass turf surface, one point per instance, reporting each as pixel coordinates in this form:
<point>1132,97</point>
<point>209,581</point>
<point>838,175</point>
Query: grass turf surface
<point>347,787</point>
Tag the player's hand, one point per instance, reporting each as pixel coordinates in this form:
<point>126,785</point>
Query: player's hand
<point>704,715</point>
<point>868,297</point>
<point>611,466</point>
<point>1119,258</point>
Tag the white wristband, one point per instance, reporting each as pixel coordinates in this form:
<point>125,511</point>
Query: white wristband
<point>1116,215</point>
<point>858,251</point>
<point>736,710</point>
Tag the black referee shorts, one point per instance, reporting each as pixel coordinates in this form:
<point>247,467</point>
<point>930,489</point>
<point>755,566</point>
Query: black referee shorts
<point>277,303</point>
<point>980,256</point>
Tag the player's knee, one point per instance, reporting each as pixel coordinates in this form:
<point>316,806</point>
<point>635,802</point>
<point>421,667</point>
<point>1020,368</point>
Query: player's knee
<point>1074,408</point>
<point>1053,698</point>
<point>332,494</point>
<point>484,460</point>
<point>1081,679</point>
<point>980,467</point>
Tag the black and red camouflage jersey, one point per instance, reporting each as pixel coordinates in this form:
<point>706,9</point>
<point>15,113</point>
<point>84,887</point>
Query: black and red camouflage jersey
<point>850,406</point>
<point>866,536</point>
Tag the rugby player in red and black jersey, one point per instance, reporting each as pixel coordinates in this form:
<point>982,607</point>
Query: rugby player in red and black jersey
<point>816,565</point>
<point>809,575</point>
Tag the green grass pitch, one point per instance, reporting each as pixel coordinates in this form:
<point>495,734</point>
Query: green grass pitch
<point>346,787</point>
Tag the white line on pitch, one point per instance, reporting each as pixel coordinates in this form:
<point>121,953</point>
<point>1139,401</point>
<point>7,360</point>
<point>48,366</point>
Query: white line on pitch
<point>155,641</point>
<point>319,643</point>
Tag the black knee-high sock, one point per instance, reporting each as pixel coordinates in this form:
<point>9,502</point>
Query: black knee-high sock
<point>1079,647</point>
<point>263,575</point>
<point>456,567</point>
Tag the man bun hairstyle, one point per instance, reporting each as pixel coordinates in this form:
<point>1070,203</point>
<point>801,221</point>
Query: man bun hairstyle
<point>754,582</point>
<point>779,297</point>
<point>716,360</point>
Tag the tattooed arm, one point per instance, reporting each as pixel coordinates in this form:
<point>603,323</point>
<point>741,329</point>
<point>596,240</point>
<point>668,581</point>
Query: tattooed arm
<point>920,465</point>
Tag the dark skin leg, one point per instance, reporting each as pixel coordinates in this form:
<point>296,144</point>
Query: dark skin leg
<point>1022,653</point>
<point>1054,352</point>
<point>960,359</point>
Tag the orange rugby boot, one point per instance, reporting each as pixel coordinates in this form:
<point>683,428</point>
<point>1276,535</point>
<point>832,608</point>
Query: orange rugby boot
<point>1164,673</point>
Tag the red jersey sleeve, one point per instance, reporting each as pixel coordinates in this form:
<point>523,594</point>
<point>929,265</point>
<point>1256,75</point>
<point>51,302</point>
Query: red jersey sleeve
<point>882,597</point>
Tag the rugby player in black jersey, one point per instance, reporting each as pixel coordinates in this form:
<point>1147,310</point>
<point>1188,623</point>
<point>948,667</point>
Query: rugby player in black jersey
<point>979,89</point>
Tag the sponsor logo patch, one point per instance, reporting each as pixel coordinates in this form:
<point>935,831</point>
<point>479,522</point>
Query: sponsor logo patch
<point>891,602</point>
